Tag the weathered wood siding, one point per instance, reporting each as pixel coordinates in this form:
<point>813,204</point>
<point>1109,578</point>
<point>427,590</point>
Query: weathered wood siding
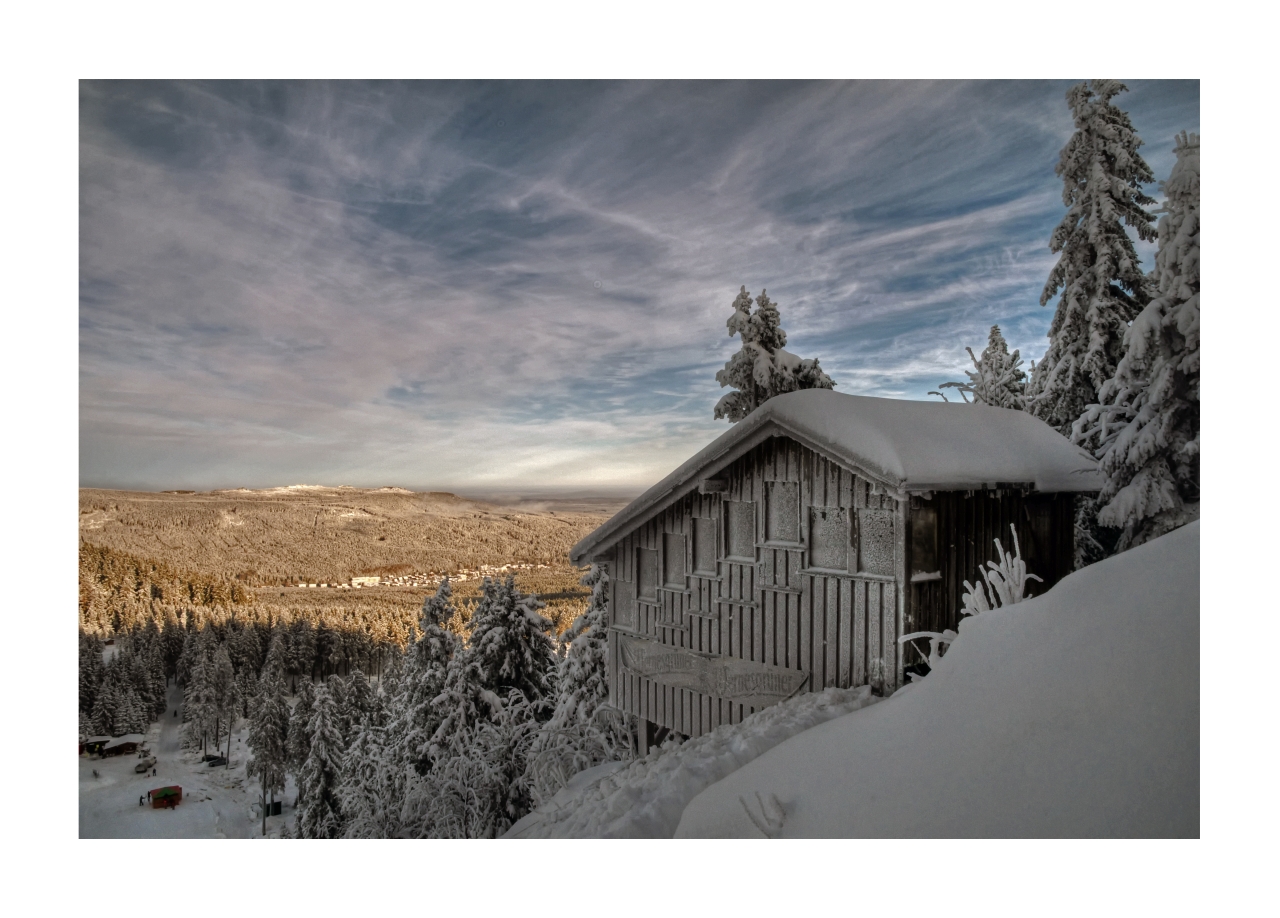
<point>771,606</point>
<point>968,523</point>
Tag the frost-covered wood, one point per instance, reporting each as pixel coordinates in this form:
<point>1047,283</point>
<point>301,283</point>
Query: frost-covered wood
<point>754,600</point>
<point>801,558</point>
<point>1006,581</point>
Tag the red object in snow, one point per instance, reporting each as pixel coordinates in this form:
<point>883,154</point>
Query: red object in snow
<point>163,797</point>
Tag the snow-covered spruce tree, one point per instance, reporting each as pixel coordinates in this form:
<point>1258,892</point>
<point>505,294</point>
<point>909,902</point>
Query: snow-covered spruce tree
<point>762,369</point>
<point>374,767</point>
<point>511,644</point>
<point>157,687</point>
<point>462,703</point>
<point>1097,273</point>
<point>199,706</point>
<point>580,733</point>
<point>105,704</point>
<point>480,789</point>
<point>338,689</point>
<point>226,696</point>
<point>1102,286</point>
<point>359,704</point>
<point>497,690</point>
<point>510,649</point>
<point>268,737</point>
<point>187,658</point>
<point>91,670</point>
<point>129,716</point>
<point>320,813</point>
<point>298,743</point>
<point>246,692</point>
<point>302,650</point>
<point>371,794</point>
<point>1146,427</point>
<point>414,718</point>
<point>136,677</point>
<point>997,377</point>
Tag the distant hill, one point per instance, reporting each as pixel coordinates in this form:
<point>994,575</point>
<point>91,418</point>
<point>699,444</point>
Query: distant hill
<point>252,547</point>
<point>314,533</point>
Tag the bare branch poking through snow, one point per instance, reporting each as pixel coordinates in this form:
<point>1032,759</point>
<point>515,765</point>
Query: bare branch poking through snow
<point>1007,581</point>
<point>771,817</point>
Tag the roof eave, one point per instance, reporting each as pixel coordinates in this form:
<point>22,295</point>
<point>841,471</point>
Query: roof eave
<point>647,505</point>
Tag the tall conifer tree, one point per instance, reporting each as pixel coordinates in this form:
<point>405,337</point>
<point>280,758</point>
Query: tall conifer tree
<point>580,734</point>
<point>199,706</point>
<point>1101,284</point>
<point>321,815</point>
<point>1097,273</point>
<point>1146,426</point>
<point>415,718</point>
<point>511,644</point>
<point>268,737</point>
<point>299,742</point>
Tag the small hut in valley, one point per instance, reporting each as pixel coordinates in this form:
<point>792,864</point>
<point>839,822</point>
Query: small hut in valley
<point>791,552</point>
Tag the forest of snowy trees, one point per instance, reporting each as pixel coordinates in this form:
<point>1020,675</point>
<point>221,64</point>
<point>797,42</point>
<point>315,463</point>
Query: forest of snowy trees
<point>455,738</point>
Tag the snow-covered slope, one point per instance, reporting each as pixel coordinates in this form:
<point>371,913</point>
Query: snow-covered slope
<point>1076,713</point>
<point>644,799</point>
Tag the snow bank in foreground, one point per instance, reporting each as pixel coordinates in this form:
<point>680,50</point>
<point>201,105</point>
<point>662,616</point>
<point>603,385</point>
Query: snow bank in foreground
<point>1076,713</point>
<point>644,799</point>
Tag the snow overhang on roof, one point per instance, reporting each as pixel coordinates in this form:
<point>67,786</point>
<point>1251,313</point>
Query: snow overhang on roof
<point>902,445</point>
<point>127,738</point>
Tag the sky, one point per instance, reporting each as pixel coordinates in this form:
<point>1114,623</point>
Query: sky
<point>522,287</point>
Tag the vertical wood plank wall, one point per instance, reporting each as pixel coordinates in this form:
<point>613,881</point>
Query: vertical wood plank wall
<point>775,610</point>
<point>968,525</point>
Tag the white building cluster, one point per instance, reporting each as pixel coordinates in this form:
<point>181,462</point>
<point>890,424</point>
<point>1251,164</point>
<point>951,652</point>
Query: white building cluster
<point>430,581</point>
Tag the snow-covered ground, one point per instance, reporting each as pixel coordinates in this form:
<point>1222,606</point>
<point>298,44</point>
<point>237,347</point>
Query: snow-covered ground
<point>1076,713</point>
<point>1073,714</point>
<point>216,802</point>
<point>644,799</point>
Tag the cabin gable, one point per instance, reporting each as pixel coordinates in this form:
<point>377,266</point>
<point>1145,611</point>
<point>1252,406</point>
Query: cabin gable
<point>790,553</point>
<point>785,574</point>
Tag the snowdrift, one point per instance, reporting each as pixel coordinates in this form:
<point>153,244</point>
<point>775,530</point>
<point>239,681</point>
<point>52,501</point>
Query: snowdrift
<point>1073,714</point>
<point>644,798</point>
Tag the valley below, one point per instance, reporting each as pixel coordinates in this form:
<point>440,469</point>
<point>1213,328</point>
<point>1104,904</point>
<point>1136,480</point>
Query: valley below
<point>321,553</point>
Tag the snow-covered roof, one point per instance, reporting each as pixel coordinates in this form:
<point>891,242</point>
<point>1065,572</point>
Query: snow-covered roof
<point>904,445</point>
<point>127,738</point>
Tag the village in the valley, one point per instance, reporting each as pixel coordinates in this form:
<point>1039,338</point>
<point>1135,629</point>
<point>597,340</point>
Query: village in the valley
<point>427,581</point>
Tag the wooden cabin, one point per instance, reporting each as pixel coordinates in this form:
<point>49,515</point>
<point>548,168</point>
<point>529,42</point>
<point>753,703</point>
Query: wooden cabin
<point>124,745</point>
<point>790,553</point>
<point>94,744</point>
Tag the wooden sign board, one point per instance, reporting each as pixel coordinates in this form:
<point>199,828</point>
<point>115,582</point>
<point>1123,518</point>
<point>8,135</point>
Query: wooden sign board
<point>742,681</point>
